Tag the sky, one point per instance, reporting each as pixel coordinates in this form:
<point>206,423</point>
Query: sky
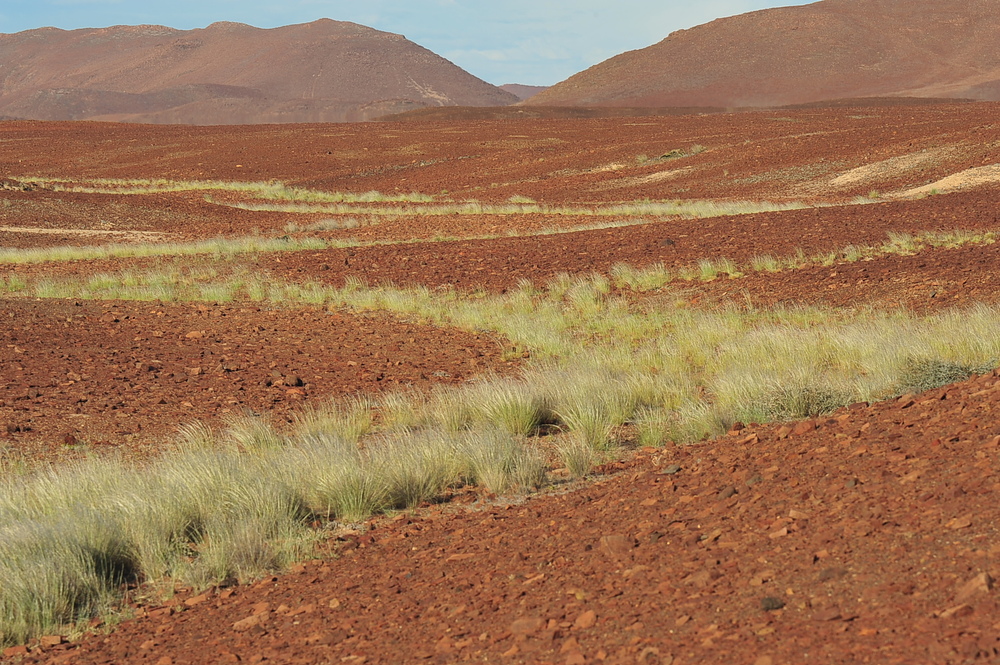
<point>533,42</point>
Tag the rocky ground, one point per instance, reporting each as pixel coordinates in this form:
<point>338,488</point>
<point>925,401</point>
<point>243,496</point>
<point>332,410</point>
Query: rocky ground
<point>864,536</point>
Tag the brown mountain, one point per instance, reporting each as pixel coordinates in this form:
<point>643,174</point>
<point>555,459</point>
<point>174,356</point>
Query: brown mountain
<point>523,92</point>
<point>793,55</point>
<point>228,73</point>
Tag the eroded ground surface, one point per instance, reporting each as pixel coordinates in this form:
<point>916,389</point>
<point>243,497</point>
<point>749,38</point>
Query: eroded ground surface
<point>807,155</point>
<point>123,374</point>
<point>500,263</point>
<point>867,536</point>
<point>928,281</point>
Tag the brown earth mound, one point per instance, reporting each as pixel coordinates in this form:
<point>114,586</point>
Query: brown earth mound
<point>868,536</point>
<point>228,73</point>
<point>792,55</point>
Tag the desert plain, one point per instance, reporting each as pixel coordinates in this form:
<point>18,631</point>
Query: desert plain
<point>742,367</point>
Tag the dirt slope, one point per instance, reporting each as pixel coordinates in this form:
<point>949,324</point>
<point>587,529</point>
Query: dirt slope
<point>228,73</point>
<point>868,536</point>
<point>827,50</point>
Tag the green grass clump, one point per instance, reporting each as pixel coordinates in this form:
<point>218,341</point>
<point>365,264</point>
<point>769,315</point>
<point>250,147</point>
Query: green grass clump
<point>922,374</point>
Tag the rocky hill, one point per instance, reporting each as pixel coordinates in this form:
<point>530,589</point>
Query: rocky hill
<point>228,73</point>
<point>793,55</point>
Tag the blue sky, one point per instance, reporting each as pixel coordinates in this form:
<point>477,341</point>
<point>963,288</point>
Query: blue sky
<point>536,42</point>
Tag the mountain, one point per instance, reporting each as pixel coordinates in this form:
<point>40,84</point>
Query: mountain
<point>228,73</point>
<point>523,92</point>
<point>795,55</point>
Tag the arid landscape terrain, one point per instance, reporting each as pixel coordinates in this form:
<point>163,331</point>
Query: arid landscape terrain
<point>639,389</point>
<point>834,49</point>
<point>228,73</point>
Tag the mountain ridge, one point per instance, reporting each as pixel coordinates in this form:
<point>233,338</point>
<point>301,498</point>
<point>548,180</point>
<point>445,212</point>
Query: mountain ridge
<point>228,73</point>
<point>826,50</point>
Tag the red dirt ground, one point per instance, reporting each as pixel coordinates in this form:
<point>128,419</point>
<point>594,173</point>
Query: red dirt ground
<point>498,264</point>
<point>873,528</point>
<point>122,374</point>
<point>867,536</point>
<point>929,281</point>
<point>772,155</point>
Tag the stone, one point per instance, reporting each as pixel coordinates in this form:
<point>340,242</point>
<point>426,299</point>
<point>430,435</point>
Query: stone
<point>250,622</point>
<point>569,646</point>
<point>586,620</point>
<point>958,611</point>
<point>19,650</point>
<point>49,641</point>
<point>616,546</point>
<point>771,604</point>
<point>960,522</point>
<point>196,600</point>
<point>981,583</point>
<point>527,626</point>
<point>803,427</point>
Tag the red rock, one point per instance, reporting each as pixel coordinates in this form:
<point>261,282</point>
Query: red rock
<point>960,522</point>
<point>616,546</point>
<point>803,427</point>
<point>527,626</point>
<point>586,620</point>
<point>959,611</point>
<point>18,650</point>
<point>196,600</point>
<point>569,646</point>
<point>981,583</point>
<point>250,622</point>
<point>49,641</point>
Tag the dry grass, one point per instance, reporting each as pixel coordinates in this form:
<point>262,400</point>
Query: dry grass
<point>235,502</point>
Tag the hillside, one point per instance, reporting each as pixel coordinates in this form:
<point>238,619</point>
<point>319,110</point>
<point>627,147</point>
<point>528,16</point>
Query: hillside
<point>228,73</point>
<point>793,55</point>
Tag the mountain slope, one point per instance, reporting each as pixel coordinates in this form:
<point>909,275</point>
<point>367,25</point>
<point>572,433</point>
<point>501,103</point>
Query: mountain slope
<point>228,73</point>
<point>792,55</point>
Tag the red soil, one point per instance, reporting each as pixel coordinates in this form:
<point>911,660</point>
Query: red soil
<point>776,155</point>
<point>873,529</point>
<point>866,536</point>
<point>126,374</point>
<point>498,264</point>
<point>931,280</point>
